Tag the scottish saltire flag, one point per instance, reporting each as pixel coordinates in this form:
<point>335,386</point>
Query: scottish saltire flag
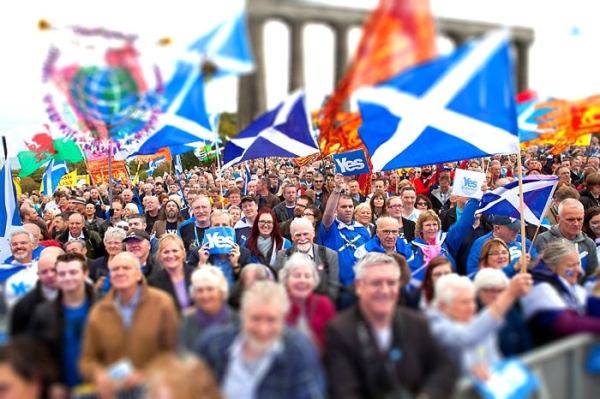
<point>538,191</point>
<point>178,165</point>
<point>247,178</point>
<point>226,47</point>
<point>284,131</point>
<point>528,114</point>
<point>152,165</point>
<point>54,172</point>
<point>9,216</point>
<point>462,103</point>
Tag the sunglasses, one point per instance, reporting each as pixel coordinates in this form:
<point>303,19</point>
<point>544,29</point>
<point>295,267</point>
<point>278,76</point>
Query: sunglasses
<point>422,203</point>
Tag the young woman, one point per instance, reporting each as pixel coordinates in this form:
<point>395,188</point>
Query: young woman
<point>265,238</point>
<point>378,207</point>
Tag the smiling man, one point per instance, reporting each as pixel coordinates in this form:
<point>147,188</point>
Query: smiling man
<point>285,363</point>
<point>377,349</point>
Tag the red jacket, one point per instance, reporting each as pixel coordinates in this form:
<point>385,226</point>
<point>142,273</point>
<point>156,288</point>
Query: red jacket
<point>319,311</point>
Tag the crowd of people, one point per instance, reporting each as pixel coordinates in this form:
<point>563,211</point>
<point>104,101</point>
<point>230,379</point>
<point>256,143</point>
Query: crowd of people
<point>326,291</point>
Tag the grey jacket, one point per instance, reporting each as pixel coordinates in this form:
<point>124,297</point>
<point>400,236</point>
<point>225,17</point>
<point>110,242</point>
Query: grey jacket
<point>190,330</point>
<point>328,269</point>
<point>583,243</point>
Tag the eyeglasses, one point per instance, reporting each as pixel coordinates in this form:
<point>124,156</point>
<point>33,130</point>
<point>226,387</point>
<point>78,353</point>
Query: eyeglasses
<point>422,203</point>
<point>389,232</point>
<point>265,222</point>
<point>308,214</point>
<point>301,205</point>
<point>318,181</point>
<point>499,253</point>
<point>379,284</point>
<point>395,206</point>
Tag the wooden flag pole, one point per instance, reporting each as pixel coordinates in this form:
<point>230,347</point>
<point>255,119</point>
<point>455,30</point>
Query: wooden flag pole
<point>522,212</point>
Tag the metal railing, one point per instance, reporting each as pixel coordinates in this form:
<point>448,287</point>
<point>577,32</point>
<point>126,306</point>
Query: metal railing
<point>561,369</point>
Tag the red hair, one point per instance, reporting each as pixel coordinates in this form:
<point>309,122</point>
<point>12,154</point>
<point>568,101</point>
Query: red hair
<point>252,242</point>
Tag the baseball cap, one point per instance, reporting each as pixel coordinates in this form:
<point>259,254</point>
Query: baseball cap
<point>511,223</point>
<point>137,234</point>
<point>246,198</point>
<point>446,169</point>
<point>79,200</point>
<point>239,179</point>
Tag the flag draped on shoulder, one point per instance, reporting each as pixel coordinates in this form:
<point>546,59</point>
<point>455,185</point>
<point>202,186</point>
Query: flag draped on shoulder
<point>463,102</point>
<point>397,34</point>
<point>282,132</point>
<point>9,213</point>
<point>538,191</point>
<point>52,176</point>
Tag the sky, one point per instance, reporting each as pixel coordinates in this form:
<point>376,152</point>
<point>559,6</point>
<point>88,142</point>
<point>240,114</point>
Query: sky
<point>562,64</point>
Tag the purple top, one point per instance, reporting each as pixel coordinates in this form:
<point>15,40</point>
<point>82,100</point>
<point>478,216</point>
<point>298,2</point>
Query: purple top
<point>205,320</point>
<point>181,293</point>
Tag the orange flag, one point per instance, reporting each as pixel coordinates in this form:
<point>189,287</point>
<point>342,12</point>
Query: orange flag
<point>398,34</point>
<point>566,121</point>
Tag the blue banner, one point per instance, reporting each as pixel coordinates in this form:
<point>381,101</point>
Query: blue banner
<point>351,163</point>
<point>220,240</point>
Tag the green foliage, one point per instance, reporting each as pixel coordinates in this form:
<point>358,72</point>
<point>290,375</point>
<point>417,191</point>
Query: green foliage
<point>28,184</point>
<point>228,127</point>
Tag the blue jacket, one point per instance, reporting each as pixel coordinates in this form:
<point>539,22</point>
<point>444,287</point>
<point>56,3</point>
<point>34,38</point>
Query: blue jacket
<point>296,373</point>
<point>450,241</point>
<point>514,248</point>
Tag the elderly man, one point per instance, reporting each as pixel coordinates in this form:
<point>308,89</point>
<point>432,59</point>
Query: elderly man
<point>45,289</point>
<point>326,259</point>
<point>386,240</point>
<point>152,210</point>
<point>128,198</point>
<point>285,364</point>
<point>570,222</point>
<point>76,230</point>
<point>20,278</point>
<point>133,323</point>
<point>506,229</point>
<point>192,230</point>
<point>340,232</point>
<point>377,349</point>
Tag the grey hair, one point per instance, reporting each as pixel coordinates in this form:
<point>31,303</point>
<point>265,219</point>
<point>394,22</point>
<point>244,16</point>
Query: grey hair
<point>260,269</point>
<point>265,292</point>
<point>82,244</point>
<point>218,212</point>
<point>447,287</point>
<point>114,232</point>
<point>22,231</point>
<point>128,256</point>
<point>212,276</point>
<point>489,277</point>
<point>556,250</point>
<point>569,203</point>
<point>298,223</point>
<point>373,259</point>
<point>295,261</point>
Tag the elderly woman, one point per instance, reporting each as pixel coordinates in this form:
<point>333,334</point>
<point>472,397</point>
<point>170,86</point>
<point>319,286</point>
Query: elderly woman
<point>265,238</point>
<point>209,290</point>
<point>557,306</point>
<point>514,337</point>
<point>130,209</point>
<point>364,216</point>
<point>175,276</point>
<point>470,339</point>
<point>113,242</point>
<point>496,255</point>
<point>431,241</point>
<point>309,312</point>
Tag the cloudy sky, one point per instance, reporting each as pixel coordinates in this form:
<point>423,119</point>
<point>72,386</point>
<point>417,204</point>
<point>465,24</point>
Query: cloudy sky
<point>562,63</point>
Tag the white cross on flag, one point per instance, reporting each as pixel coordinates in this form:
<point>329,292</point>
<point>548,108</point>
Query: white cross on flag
<point>456,107</point>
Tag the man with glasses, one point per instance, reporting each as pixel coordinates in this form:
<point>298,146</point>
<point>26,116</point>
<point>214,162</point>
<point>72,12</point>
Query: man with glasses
<point>570,223</point>
<point>321,192</point>
<point>326,259</point>
<point>377,349</point>
<point>506,229</point>
<point>192,230</point>
<point>406,227</point>
<point>386,240</point>
<point>301,203</point>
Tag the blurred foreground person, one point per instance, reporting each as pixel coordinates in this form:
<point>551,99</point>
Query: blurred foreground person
<point>283,363</point>
<point>377,350</point>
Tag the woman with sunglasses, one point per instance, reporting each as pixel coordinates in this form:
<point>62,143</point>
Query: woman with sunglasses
<point>265,238</point>
<point>423,203</point>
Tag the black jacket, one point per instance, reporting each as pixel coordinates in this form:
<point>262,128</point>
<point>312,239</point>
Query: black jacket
<point>23,310</point>
<point>161,280</point>
<point>93,242</point>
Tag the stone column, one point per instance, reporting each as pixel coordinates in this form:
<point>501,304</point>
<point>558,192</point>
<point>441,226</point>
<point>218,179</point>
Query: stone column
<point>522,70</point>
<point>341,52</point>
<point>296,71</point>
<point>252,99</point>
<point>456,37</point>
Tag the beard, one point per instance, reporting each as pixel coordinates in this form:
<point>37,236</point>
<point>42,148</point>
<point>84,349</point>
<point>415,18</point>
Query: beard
<point>426,174</point>
<point>304,247</point>
<point>172,214</point>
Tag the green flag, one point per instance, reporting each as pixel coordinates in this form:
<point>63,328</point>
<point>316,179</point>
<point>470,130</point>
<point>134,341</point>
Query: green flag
<point>206,153</point>
<point>63,150</point>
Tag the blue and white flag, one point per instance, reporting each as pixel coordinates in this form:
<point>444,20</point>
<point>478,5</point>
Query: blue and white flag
<point>247,179</point>
<point>178,165</point>
<point>284,131</point>
<point>455,107</point>
<point>226,47</point>
<point>351,163</point>
<point>51,178</point>
<point>9,213</point>
<point>538,191</point>
<point>528,125</point>
<point>152,165</point>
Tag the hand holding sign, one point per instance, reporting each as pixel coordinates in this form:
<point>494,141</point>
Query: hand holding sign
<point>203,254</point>
<point>234,257</point>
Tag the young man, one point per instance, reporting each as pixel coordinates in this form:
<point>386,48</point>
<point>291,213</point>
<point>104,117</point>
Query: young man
<point>59,324</point>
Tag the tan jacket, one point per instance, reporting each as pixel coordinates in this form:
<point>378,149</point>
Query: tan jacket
<point>153,332</point>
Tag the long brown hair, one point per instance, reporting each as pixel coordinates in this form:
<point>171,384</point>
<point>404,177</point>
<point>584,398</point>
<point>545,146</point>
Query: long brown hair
<point>252,242</point>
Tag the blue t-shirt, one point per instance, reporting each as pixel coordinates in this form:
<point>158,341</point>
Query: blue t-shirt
<point>75,319</point>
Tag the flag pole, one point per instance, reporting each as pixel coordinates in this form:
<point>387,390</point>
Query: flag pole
<point>110,188</point>
<point>522,213</point>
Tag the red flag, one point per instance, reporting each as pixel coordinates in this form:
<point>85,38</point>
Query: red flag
<point>398,34</point>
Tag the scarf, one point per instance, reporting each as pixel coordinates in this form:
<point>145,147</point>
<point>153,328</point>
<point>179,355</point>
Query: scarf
<point>264,246</point>
<point>430,251</point>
